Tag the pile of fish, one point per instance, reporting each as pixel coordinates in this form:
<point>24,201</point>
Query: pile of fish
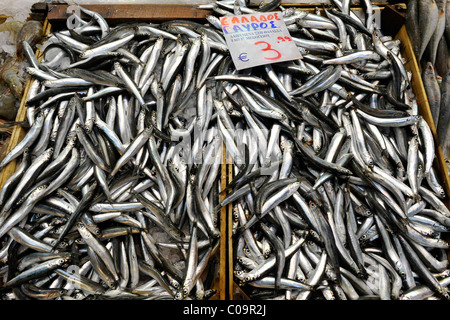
<point>117,190</point>
<point>428,26</point>
<point>337,197</point>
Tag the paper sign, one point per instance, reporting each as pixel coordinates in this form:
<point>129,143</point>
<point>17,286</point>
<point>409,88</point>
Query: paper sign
<point>258,39</point>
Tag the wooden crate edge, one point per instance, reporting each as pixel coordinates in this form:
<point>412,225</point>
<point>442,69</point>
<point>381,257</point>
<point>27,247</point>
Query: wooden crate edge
<point>424,106</point>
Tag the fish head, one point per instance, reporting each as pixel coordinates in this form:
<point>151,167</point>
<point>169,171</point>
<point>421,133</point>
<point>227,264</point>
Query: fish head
<point>179,295</point>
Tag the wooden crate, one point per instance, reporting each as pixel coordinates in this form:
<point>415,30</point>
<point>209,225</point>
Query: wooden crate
<point>120,13</point>
<point>115,14</point>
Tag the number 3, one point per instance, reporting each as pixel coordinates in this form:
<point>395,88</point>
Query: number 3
<point>269,48</point>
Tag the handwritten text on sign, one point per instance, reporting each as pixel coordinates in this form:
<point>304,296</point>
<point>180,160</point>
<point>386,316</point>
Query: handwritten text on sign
<point>258,39</point>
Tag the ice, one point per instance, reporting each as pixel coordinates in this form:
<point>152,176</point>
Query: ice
<point>19,10</point>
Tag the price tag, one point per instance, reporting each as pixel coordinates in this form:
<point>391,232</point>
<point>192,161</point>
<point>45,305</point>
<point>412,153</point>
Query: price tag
<point>258,39</point>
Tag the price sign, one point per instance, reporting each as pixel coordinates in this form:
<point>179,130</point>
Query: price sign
<point>258,39</point>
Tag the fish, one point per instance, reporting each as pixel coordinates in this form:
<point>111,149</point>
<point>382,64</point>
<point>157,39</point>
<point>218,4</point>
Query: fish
<point>31,33</point>
<point>441,64</point>
<point>9,72</point>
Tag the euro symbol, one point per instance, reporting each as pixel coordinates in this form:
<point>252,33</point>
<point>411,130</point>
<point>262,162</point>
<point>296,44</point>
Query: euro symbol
<point>243,57</point>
